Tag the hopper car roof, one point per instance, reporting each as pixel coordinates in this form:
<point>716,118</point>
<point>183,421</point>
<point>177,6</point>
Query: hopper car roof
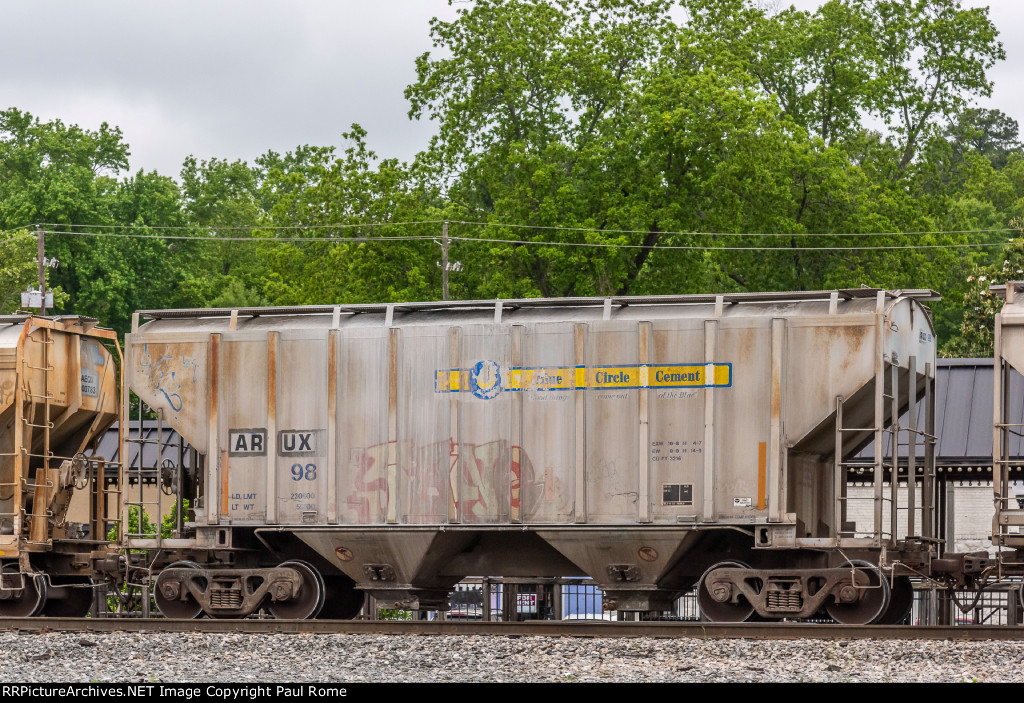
<point>11,325</point>
<point>856,300</point>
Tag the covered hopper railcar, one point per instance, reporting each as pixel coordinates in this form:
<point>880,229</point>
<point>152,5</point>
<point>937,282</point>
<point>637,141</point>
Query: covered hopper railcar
<point>59,392</point>
<point>651,443</point>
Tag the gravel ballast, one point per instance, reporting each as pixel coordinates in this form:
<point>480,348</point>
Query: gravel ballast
<point>270,658</point>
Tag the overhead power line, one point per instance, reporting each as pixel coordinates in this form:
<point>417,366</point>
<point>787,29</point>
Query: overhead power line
<point>12,240</point>
<point>211,228</point>
<point>732,234</point>
<point>271,240</point>
<point>720,248</point>
<point>31,225</point>
<point>526,242</point>
<point>71,229</point>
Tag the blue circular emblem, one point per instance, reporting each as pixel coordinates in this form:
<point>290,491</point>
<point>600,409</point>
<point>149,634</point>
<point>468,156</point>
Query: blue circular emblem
<point>485,380</point>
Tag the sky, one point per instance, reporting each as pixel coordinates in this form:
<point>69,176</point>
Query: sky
<point>233,79</point>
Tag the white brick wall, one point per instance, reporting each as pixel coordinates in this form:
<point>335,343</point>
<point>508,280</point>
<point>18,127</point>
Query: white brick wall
<point>972,510</point>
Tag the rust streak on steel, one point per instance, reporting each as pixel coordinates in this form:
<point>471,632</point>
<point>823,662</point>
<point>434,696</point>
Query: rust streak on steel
<point>762,466</point>
<point>214,391</point>
<point>332,425</point>
<point>271,475</point>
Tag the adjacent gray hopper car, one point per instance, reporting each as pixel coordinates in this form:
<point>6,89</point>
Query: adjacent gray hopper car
<point>1008,427</point>
<point>652,443</point>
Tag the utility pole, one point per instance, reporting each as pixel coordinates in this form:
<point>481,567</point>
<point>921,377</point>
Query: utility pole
<point>445,265</point>
<point>41,258</point>
<point>444,260</point>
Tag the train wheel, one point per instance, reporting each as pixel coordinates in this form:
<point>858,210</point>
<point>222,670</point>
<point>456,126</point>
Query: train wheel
<point>872,601</point>
<point>901,599</point>
<point>22,595</point>
<point>69,597</point>
<point>310,599</point>
<point>168,599</point>
<point>341,599</point>
<point>718,611</point>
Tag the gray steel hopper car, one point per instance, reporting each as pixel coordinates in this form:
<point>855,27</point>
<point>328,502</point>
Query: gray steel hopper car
<point>1008,426</point>
<point>652,443</point>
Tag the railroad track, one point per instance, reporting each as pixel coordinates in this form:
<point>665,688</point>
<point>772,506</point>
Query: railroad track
<point>543,628</point>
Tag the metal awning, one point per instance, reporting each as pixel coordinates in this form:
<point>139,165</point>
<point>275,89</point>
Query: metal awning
<point>963,421</point>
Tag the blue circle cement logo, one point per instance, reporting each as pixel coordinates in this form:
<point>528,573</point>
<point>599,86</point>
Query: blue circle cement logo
<point>485,380</point>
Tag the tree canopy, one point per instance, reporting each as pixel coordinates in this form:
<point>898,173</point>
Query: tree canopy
<point>582,147</point>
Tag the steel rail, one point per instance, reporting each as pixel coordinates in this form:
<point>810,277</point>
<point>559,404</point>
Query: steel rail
<point>540,628</point>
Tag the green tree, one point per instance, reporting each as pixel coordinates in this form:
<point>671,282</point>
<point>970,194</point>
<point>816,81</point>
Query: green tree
<point>132,266</point>
<point>221,199</point>
<point>604,123</point>
<point>18,269</point>
<point>816,65</point>
<point>328,199</point>
<point>989,133</point>
<point>609,119</point>
<point>932,57</point>
<point>583,147</point>
<point>912,64</point>
<point>66,177</point>
<point>980,303</point>
<point>542,123</point>
<point>51,172</point>
<point>145,528</point>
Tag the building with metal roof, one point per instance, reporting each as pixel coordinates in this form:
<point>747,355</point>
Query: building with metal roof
<point>963,421</point>
<point>963,451</point>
